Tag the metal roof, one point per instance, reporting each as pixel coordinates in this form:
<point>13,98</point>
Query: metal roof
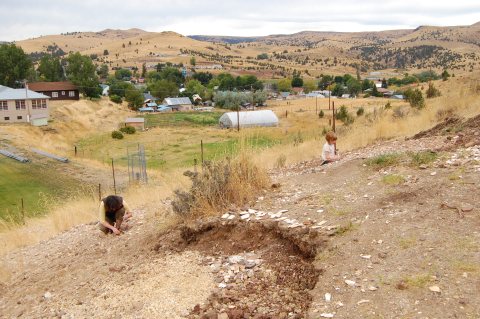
<point>177,101</point>
<point>52,86</point>
<point>7,93</point>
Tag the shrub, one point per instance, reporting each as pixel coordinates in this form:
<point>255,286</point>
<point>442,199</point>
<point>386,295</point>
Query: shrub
<point>128,130</point>
<point>423,158</point>
<point>415,98</point>
<point>321,114</point>
<point>388,106</point>
<point>219,185</point>
<point>344,116</point>
<point>117,134</point>
<point>432,91</point>
<point>281,161</point>
<point>360,111</point>
<point>384,160</point>
<point>116,98</point>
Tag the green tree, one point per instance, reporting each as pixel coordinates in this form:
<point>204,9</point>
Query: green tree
<point>227,82</point>
<point>105,52</point>
<point>103,71</point>
<point>144,70</point>
<point>163,88</point>
<point>284,85</point>
<point>119,88</point>
<point>297,82</point>
<point>134,98</point>
<point>81,71</point>
<point>309,86</point>
<point>193,61</point>
<point>262,56</point>
<point>375,91</point>
<point>338,89</point>
<point>15,65</point>
<point>367,84</point>
<point>195,87</point>
<point>325,81</point>
<point>354,86</point>
<point>259,97</point>
<point>384,83</point>
<point>203,77</point>
<point>121,74</point>
<point>50,69</point>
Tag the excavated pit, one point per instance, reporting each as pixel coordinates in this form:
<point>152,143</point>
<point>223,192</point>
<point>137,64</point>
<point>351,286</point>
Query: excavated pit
<point>261,269</point>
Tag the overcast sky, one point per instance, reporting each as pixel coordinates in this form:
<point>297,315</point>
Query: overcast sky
<point>31,18</point>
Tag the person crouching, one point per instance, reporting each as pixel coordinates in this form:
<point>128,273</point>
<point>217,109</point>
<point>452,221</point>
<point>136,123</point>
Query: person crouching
<point>113,211</point>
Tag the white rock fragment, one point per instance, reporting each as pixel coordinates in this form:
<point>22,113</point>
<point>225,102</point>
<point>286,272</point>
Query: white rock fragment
<point>327,315</point>
<point>351,283</point>
<point>320,211</point>
<point>225,216</point>
<point>245,216</point>
<point>372,288</point>
<point>363,301</point>
<point>47,295</point>
<point>433,173</point>
<point>251,211</point>
<point>366,256</point>
<point>244,212</point>
<point>435,289</point>
<point>222,285</point>
<point>231,217</point>
<point>282,211</point>
<point>328,297</point>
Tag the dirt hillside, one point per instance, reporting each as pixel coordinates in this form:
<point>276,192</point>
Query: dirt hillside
<point>390,231</point>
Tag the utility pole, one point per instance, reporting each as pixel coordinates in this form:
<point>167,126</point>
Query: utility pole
<point>114,184</point>
<point>238,118</point>
<point>316,105</point>
<point>333,116</point>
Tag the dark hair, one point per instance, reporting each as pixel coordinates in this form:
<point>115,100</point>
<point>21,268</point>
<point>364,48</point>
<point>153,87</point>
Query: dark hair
<point>112,203</point>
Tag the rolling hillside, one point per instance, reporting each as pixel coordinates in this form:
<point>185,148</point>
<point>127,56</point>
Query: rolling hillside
<point>425,47</point>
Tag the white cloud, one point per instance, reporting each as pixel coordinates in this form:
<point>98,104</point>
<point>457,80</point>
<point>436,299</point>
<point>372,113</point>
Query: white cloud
<point>30,18</point>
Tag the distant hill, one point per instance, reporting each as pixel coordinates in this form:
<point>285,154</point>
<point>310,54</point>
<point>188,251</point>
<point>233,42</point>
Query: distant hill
<point>224,39</point>
<point>426,47</point>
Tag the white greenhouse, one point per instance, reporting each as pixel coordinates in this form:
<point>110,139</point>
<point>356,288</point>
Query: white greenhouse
<point>249,119</point>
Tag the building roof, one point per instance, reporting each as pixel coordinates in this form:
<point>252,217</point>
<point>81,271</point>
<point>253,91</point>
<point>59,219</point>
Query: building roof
<point>7,93</point>
<point>52,86</point>
<point>148,96</point>
<point>145,109</point>
<point>134,120</point>
<point>151,104</point>
<point>177,101</point>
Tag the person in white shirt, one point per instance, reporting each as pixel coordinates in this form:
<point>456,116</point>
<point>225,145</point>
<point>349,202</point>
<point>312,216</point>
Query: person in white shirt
<point>329,149</point>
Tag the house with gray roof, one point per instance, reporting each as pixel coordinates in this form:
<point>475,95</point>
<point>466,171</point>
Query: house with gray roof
<point>178,103</point>
<point>23,106</point>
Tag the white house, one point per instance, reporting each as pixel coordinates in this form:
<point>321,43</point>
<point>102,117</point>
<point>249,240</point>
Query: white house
<point>23,106</point>
<point>178,103</point>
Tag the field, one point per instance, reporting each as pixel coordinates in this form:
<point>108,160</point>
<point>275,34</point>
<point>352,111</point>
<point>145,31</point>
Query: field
<point>34,184</point>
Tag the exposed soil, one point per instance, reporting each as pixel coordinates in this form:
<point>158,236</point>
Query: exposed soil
<point>277,282</point>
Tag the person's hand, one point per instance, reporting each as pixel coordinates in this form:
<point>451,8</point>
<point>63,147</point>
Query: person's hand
<point>116,231</point>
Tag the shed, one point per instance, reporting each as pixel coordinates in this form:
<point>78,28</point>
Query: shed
<point>146,109</point>
<point>178,103</point>
<point>248,119</point>
<point>136,122</point>
<point>39,120</point>
<point>164,108</point>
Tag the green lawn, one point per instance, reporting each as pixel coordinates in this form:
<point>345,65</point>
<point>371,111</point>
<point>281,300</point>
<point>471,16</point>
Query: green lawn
<point>35,183</point>
<point>182,119</point>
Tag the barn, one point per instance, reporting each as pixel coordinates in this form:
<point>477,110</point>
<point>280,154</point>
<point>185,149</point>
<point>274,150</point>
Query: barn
<point>248,119</point>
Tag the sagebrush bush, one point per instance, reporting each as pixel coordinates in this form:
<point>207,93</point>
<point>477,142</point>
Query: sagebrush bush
<point>219,185</point>
<point>116,98</point>
<point>360,111</point>
<point>128,130</point>
<point>117,134</point>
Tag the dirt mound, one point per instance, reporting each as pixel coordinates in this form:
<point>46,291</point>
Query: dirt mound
<point>463,132</point>
<point>263,270</point>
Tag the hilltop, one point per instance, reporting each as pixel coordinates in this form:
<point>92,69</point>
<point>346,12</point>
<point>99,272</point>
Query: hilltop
<point>426,47</point>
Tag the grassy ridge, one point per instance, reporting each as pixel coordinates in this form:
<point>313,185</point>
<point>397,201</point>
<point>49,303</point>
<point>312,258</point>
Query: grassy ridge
<point>32,182</point>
